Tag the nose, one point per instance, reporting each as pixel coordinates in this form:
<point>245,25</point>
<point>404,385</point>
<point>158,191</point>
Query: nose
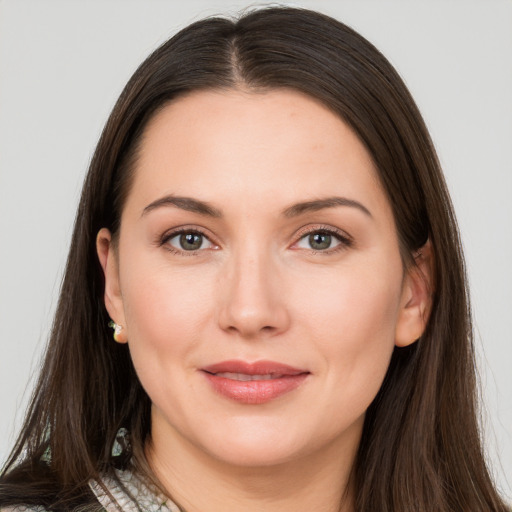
<point>252,300</point>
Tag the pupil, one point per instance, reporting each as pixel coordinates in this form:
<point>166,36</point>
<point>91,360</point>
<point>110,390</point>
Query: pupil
<point>319,241</point>
<point>191,241</point>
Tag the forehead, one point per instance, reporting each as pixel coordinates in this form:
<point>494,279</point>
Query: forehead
<point>223,146</point>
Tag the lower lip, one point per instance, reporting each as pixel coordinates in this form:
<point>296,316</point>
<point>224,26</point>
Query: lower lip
<point>255,391</point>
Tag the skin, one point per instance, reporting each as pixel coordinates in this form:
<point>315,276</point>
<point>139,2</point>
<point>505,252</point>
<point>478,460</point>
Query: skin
<point>257,290</point>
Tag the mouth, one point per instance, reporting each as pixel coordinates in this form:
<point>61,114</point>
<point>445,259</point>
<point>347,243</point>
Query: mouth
<point>246,378</point>
<point>253,383</point>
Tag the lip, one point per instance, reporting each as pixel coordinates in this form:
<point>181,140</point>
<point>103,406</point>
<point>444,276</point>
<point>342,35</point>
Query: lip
<point>253,383</point>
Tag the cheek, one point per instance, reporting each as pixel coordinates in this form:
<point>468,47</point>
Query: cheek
<point>353,324</point>
<point>165,312</point>
<point>357,302</point>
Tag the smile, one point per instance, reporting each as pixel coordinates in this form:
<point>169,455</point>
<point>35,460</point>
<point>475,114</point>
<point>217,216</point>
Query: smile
<point>253,383</point>
<point>244,377</point>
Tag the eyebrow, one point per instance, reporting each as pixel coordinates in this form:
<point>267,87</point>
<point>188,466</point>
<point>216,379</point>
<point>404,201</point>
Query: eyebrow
<point>320,204</point>
<point>203,208</point>
<point>184,203</point>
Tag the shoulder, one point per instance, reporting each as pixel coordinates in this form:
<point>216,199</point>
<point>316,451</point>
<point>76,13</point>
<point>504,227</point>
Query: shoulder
<point>22,508</point>
<point>36,508</point>
<point>86,507</point>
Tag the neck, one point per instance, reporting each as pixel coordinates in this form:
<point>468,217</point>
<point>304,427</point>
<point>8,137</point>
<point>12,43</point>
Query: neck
<point>197,482</point>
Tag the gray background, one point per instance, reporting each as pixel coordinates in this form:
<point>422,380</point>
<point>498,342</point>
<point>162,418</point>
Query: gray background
<point>63,64</point>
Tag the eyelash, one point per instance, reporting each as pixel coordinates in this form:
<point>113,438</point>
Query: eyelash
<point>345,241</point>
<point>183,231</point>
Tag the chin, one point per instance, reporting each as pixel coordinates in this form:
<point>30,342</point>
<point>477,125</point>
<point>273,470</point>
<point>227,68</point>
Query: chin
<point>244,455</point>
<point>255,443</point>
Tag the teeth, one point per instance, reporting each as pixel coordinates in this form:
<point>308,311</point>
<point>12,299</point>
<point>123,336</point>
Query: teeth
<point>244,377</point>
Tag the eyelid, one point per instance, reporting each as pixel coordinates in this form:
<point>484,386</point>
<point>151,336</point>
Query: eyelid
<point>171,233</point>
<point>342,236</point>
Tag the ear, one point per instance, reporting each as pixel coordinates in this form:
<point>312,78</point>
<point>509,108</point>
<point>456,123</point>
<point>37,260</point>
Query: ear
<point>113,298</point>
<point>416,300</point>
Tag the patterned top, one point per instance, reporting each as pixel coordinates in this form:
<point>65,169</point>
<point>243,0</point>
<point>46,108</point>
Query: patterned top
<point>133,495</point>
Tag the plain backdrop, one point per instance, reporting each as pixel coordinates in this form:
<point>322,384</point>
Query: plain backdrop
<point>63,64</point>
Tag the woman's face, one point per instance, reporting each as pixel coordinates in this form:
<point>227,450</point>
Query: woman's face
<point>257,277</point>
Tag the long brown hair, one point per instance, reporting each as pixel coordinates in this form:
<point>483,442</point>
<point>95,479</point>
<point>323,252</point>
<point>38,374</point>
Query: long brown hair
<point>421,447</point>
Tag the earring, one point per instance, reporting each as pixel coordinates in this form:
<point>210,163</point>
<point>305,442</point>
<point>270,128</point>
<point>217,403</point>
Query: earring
<point>117,329</point>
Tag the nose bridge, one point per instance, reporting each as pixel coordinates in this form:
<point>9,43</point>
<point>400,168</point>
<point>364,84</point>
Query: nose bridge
<point>252,303</point>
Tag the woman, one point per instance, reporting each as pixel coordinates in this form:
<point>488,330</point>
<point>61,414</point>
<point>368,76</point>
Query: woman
<point>266,228</point>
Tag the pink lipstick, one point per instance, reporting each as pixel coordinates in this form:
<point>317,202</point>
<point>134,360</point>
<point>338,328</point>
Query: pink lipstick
<point>253,383</point>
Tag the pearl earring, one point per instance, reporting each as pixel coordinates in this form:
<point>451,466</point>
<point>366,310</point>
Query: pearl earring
<point>117,330</point>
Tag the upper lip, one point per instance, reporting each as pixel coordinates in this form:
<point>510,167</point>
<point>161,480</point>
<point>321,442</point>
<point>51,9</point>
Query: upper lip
<point>255,368</point>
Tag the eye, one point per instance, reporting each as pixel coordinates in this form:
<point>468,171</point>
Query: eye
<point>189,241</point>
<point>323,240</point>
<point>318,241</point>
